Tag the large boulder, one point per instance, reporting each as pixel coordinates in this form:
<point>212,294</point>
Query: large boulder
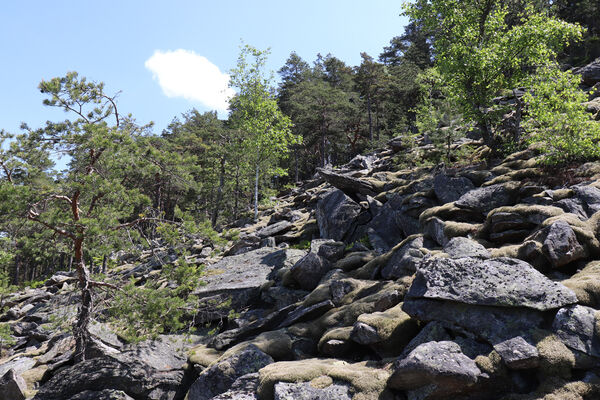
<point>309,270</point>
<point>449,189</point>
<point>404,259</point>
<point>492,324</point>
<point>239,279</point>
<point>576,327</point>
<point>435,370</point>
<point>350,184</point>
<point>501,282</point>
<point>487,198</point>
<point>219,377</point>
<point>152,370</point>
<point>460,247</point>
<point>561,246</point>
<point>590,74</point>
<point>12,386</point>
<point>244,388</point>
<point>337,215</point>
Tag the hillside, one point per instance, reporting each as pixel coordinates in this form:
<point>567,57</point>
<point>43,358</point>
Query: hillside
<point>479,281</point>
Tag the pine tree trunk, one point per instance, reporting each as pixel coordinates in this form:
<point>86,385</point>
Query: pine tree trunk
<point>82,334</point>
<point>236,200</point>
<point>297,169</point>
<point>370,118</point>
<point>256,192</point>
<point>217,208</point>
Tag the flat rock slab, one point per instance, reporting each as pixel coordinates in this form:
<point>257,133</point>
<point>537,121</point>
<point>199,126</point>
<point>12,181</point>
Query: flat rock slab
<point>487,198</point>
<point>245,271</point>
<point>347,183</point>
<point>504,282</point>
<point>492,324</point>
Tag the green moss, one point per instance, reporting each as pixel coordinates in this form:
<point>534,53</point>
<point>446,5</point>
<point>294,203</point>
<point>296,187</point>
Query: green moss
<point>586,285</point>
<point>342,333</point>
<point>277,344</point>
<point>203,356</point>
<point>555,358</point>
<point>354,260</point>
<point>394,326</point>
<point>368,383</point>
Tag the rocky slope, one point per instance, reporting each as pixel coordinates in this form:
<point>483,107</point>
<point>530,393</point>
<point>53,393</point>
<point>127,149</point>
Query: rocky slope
<point>368,282</point>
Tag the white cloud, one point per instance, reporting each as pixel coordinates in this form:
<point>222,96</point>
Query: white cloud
<point>183,73</point>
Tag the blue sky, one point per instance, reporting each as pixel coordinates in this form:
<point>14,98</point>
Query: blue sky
<point>169,57</point>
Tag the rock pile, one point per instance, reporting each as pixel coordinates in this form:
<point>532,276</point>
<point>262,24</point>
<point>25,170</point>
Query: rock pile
<point>368,282</point>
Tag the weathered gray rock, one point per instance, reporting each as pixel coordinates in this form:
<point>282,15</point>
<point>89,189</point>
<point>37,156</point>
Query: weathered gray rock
<point>309,270</point>
<point>449,189</point>
<point>275,229</point>
<point>19,365</point>
<point>590,197</point>
<point>573,206</point>
<point>437,368</point>
<point>240,278</point>
<point>575,326</point>
<point>281,296</point>
<point>12,386</point>
<point>305,391</point>
<point>487,198</point>
<point>219,378</point>
<point>336,215</point>
<point>561,246</point>
<point>364,334</point>
<point>151,370</point>
<point>460,247</point>
<point>307,313</point>
<point>349,184</point>
<point>590,74</point>
<point>330,250</point>
<point>383,230</point>
<point>404,260</point>
<point>492,324</point>
<point>107,394</point>
<point>244,388</point>
<point>434,229</point>
<point>504,282</point>
<point>517,353</point>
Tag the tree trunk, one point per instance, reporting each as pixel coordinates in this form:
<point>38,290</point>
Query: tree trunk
<point>256,192</point>
<point>236,193</point>
<point>297,170</point>
<point>217,208</point>
<point>104,264</point>
<point>82,334</point>
<point>370,118</point>
<point>17,271</point>
<point>322,146</point>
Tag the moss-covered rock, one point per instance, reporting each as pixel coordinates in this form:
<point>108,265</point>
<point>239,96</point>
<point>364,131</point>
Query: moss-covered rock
<point>369,383</point>
<point>586,285</point>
